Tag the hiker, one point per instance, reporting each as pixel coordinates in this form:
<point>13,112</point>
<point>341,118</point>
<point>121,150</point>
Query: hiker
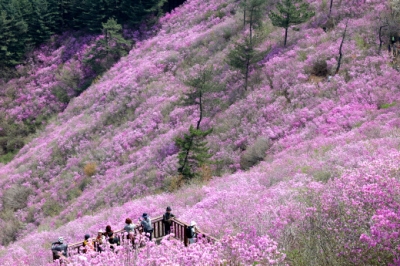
<point>87,244</point>
<point>129,228</point>
<point>59,249</point>
<point>167,220</point>
<point>191,232</point>
<point>112,239</point>
<point>396,48</point>
<point>99,241</point>
<point>146,224</point>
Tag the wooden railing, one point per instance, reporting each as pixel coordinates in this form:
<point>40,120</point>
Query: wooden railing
<point>178,228</point>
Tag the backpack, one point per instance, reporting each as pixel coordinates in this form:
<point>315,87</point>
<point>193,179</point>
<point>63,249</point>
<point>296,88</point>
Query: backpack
<point>189,232</point>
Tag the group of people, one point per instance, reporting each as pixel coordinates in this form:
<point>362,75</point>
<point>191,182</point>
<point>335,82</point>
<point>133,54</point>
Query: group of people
<point>108,237</point>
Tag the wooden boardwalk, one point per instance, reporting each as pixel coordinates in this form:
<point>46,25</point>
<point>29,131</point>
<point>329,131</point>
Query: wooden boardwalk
<point>178,228</point>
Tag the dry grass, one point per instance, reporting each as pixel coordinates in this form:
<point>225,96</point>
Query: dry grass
<point>90,169</point>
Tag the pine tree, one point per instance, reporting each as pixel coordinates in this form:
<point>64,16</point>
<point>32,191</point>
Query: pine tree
<point>290,12</point>
<point>13,37</point>
<point>108,49</point>
<point>89,14</point>
<point>134,11</point>
<point>62,14</point>
<point>244,56</point>
<point>42,22</point>
<point>193,149</point>
<point>253,13</point>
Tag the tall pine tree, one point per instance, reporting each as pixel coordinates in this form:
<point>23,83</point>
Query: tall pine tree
<point>43,21</point>
<point>253,13</point>
<point>108,49</point>
<point>133,12</point>
<point>244,56</point>
<point>13,35</point>
<point>290,12</point>
<point>89,14</point>
<point>193,148</point>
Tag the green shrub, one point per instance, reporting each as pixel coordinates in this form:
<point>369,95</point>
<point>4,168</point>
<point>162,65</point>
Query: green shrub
<point>16,197</point>
<point>320,68</point>
<point>386,105</point>
<point>254,153</point>
<point>73,193</point>
<point>51,208</point>
<point>322,176</point>
<point>9,227</point>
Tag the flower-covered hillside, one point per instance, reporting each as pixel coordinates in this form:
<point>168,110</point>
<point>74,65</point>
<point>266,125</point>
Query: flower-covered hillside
<point>329,144</point>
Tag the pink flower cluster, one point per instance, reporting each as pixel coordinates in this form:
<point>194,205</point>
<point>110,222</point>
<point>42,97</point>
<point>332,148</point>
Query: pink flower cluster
<point>333,156</point>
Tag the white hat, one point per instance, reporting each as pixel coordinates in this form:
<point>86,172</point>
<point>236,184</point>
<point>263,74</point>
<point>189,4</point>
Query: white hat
<point>61,239</point>
<point>100,231</point>
<point>193,223</point>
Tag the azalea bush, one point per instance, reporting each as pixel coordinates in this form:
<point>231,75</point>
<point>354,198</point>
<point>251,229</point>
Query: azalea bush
<point>317,147</point>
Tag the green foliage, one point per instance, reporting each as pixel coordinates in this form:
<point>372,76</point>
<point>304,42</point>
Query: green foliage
<point>134,12</point>
<point>200,85</point>
<point>90,14</point>
<point>15,197</point>
<point>12,137</point>
<point>386,105</point>
<point>13,37</point>
<point>6,158</point>
<point>253,12</point>
<point>9,229</point>
<point>290,12</point>
<point>27,23</point>
<point>109,49</point>
<point>254,153</point>
<point>193,151</point>
<point>51,208</point>
<point>244,56</point>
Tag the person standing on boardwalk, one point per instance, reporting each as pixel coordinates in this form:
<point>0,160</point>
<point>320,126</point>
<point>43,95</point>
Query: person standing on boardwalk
<point>99,241</point>
<point>191,232</point>
<point>146,224</point>
<point>87,244</point>
<point>129,228</point>
<point>167,220</point>
<point>59,249</point>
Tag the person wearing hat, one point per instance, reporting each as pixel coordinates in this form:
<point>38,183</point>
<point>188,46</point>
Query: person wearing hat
<point>87,244</point>
<point>192,234</point>
<point>167,220</point>
<point>146,224</point>
<point>100,239</point>
<point>59,249</point>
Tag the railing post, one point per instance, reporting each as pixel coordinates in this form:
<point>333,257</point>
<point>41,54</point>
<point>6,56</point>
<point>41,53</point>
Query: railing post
<point>185,237</point>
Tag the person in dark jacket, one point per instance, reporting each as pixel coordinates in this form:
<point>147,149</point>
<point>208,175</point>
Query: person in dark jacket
<point>146,224</point>
<point>167,220</point>
<point>111,237</point>
<point>59,249</point>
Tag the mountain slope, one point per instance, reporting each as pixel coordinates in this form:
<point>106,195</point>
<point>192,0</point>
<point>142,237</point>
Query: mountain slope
<point>327,139</point>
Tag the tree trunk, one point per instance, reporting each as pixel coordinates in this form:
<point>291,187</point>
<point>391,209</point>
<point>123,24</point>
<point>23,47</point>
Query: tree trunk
<point>201,110</point>
<point>340,49</point>
<point>287,27</point>
<point>246,78</point>
<point>286,31</point>
<point>330,8</point>
<point>251,26</point>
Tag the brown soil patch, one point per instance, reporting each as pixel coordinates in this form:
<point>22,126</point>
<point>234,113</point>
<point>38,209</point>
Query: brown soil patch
<point>315,79</point>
